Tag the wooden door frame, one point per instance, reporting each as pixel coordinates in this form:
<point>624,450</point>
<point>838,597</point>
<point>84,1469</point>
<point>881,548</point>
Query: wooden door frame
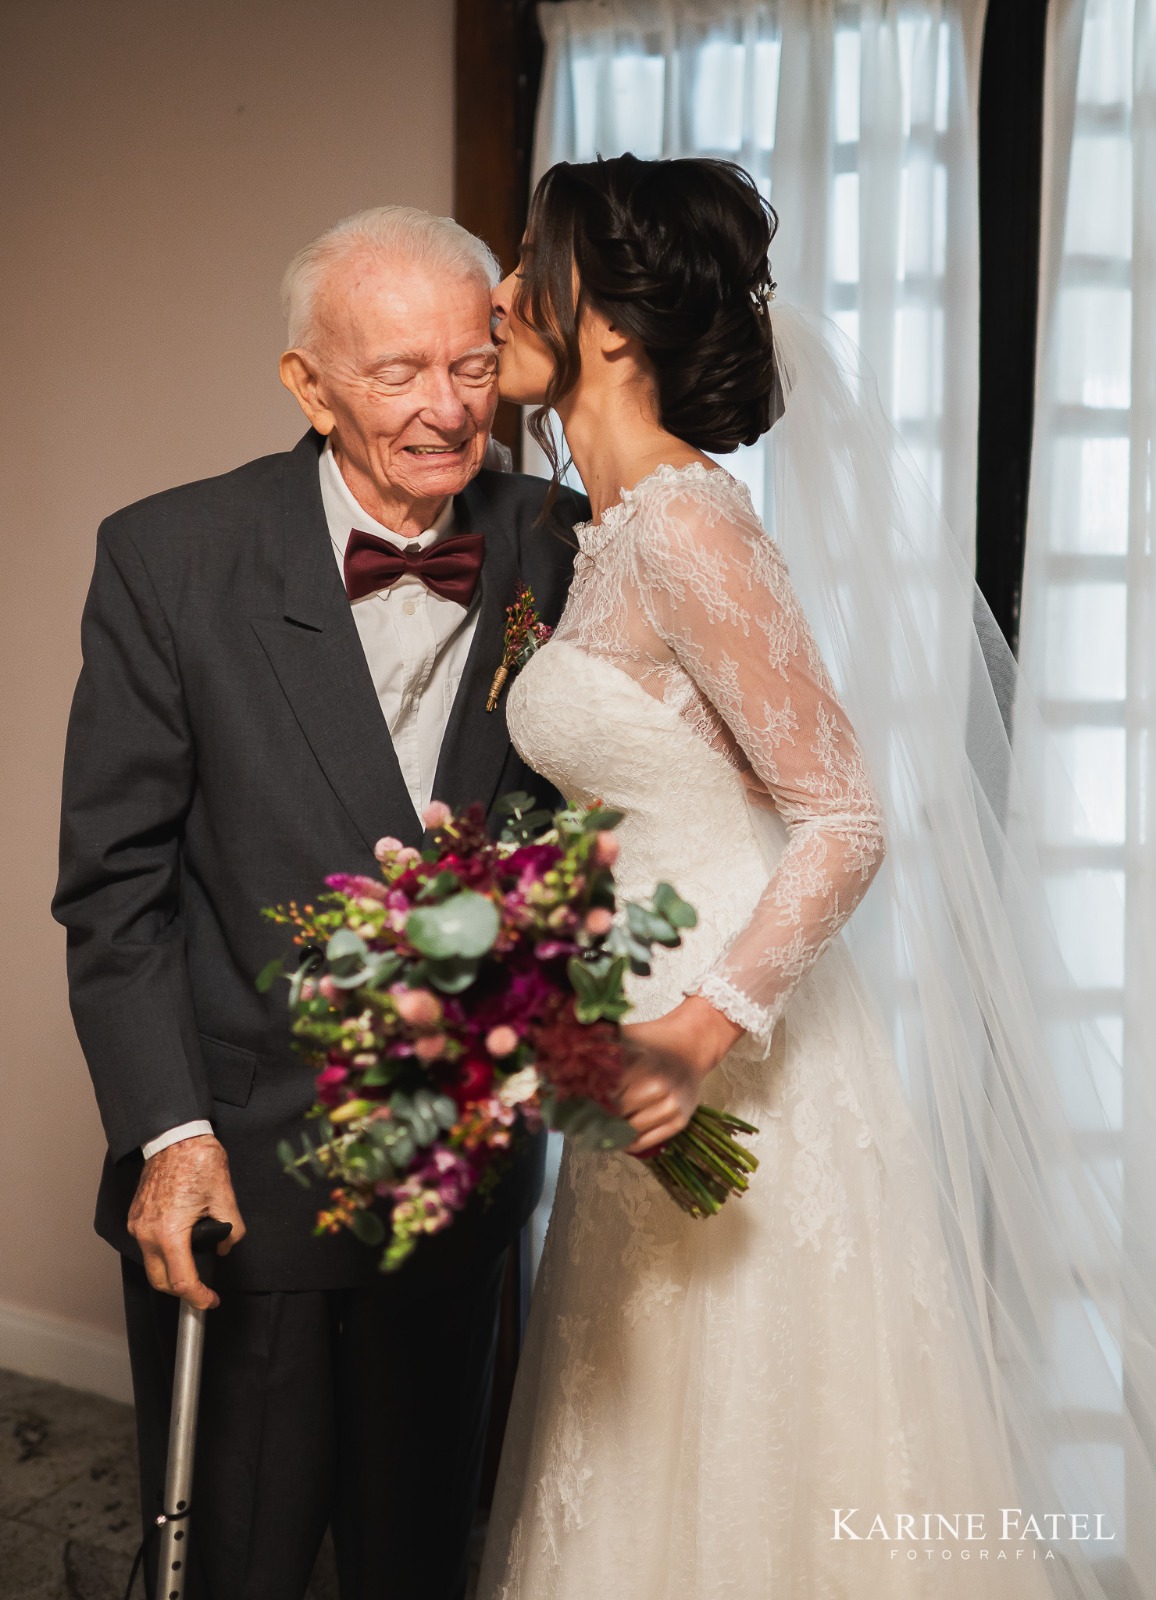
<point>497,72</point>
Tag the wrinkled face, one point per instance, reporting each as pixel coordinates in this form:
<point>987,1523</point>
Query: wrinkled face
<point>525,365</point>
<point>406,376</point>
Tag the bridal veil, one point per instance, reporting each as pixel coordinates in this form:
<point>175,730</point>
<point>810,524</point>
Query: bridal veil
<point>1051,1266</point>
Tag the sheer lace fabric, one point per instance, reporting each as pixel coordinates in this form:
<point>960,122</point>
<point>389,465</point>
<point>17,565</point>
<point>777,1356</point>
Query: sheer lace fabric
<point>696,1402</point>
<point>680,587</point>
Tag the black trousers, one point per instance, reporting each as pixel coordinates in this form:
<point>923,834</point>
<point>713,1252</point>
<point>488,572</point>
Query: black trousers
<point>348,1406</point>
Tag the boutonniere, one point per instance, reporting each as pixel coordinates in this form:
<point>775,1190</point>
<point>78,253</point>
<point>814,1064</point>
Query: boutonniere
<point>525,633</point>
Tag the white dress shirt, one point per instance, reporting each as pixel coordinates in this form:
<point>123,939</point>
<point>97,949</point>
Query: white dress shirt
<point>415,643</point>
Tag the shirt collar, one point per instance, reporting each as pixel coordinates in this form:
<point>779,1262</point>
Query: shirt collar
<point>343,512</point>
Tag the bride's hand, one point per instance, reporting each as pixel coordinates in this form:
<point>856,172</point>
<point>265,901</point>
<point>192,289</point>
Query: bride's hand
<point>667,1061</point>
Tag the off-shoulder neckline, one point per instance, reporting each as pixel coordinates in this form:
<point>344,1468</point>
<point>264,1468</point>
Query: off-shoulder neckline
<point>593,536</point>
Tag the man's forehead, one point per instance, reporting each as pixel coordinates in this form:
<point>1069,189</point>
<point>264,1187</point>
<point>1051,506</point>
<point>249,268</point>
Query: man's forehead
<point>404,309</point>
<point>372,283</point>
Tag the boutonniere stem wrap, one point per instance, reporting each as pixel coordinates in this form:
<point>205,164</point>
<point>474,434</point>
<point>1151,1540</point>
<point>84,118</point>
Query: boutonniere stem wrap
<point>525,633</point>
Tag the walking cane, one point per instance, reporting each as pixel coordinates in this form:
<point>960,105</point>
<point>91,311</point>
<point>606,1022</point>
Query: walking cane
<point>173,1562</point>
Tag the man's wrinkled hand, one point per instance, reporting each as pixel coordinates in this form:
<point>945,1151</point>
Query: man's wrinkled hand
<point>180,1185</point>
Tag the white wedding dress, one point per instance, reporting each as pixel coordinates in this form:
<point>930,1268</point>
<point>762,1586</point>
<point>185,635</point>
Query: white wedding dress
<point>699,1402</point>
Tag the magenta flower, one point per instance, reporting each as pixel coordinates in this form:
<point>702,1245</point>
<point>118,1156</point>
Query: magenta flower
<point>355,883</point>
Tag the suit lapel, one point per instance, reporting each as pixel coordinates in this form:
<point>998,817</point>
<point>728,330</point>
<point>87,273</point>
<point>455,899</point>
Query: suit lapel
<point>314,648</point>
<point>476,741</point>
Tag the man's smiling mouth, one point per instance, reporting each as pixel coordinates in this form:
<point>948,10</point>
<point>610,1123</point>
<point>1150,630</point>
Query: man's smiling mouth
<point>435,449</point>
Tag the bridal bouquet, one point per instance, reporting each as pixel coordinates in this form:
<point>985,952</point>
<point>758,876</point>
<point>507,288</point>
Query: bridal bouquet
<point>465,998</point>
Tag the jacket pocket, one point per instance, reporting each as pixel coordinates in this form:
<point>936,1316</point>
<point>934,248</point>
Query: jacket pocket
<point>229,1071</point>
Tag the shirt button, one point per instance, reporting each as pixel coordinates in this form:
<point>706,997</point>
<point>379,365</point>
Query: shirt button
<point>410,607</point>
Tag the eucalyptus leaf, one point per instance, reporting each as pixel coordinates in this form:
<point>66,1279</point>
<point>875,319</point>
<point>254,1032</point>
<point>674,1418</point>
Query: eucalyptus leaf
<point>465,925</point>
<point>269,974</point>
<point>677,911</point>
<point>346,952</point>
<point>588,1125</point>
<point>444,1111</point>
<point>648,928</point>
<point>368,1227</point>
<point>601,819</point>
<point>453,976</point>
<point>382,968</point>
<point>516,803</point>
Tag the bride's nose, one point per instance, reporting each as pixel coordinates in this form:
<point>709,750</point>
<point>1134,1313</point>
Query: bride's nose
<point>502,297</point>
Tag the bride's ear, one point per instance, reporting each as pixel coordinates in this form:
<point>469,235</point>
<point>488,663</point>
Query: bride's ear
<point>601,336</point>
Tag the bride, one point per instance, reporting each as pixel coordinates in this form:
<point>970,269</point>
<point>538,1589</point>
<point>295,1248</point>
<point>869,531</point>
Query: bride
<point>781,1401</point>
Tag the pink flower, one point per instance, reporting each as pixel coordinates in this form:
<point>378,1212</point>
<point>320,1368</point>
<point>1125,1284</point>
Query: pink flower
<point>599,921</point>
<point>605,852</point>
<point>387,847</point>
<point>419,1007</point>
<point>329,1085</point>
<point>436,814</point>
<point>328,990</point>
<point>430,1047</point>
<point>500,1041</point>
<point>308,989</point>
<point>407,855</point>
<point>356,885</point>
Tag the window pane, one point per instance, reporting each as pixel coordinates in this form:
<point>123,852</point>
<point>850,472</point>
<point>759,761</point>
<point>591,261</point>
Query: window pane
<point>919,362</point>
<point>637,119</point>
<point>1084,651</point>
<point>846,86</point>
<point>1092,810</point>
<point>1099,220</point>
<point>1094,346</point>
<point>718,97</point>
<point>1089,497</point>
<point>920,221</point>
<point>845,228</point>
<point>1083,900</point>
<point>1090,1078</point>
<point>766,106</point>
<point>1087,1358</point>
<point>1105,73</point>
<point>943,78</point>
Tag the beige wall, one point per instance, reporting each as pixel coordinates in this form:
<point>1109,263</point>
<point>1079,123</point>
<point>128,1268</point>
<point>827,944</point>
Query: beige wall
<point>160,164</point>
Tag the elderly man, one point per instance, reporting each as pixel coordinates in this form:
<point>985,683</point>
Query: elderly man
<point>281,666</point>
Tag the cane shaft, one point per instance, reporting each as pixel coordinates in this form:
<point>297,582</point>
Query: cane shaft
<point>173,1560</point>
<point>174,1540</point>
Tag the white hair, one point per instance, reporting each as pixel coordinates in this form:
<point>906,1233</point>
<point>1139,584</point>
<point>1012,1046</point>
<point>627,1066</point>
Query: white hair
<point>391,233</point>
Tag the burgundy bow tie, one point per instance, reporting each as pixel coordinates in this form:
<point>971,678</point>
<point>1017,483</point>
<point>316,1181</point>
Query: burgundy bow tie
<point>449,568</point>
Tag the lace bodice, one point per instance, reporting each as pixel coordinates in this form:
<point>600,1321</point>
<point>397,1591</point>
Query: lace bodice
<point>681,590</point>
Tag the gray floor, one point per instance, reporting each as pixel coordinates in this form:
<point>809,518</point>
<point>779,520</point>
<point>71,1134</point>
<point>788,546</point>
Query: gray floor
<point>68,1497</point>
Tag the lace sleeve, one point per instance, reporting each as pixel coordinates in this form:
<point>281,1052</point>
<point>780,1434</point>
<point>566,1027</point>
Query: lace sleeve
<point>716,590</point>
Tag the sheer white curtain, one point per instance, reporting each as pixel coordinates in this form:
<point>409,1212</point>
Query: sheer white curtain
<point>858,123</point>
<point>1088,647</point>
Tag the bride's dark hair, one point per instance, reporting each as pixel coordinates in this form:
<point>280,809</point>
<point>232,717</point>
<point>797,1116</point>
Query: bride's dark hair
<point>674,253</point>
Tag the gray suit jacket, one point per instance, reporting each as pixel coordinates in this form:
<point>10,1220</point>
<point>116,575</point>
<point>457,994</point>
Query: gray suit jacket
<point>226,751</point>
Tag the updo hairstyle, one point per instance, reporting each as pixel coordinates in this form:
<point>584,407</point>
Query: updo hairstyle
<point>674,254</point>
